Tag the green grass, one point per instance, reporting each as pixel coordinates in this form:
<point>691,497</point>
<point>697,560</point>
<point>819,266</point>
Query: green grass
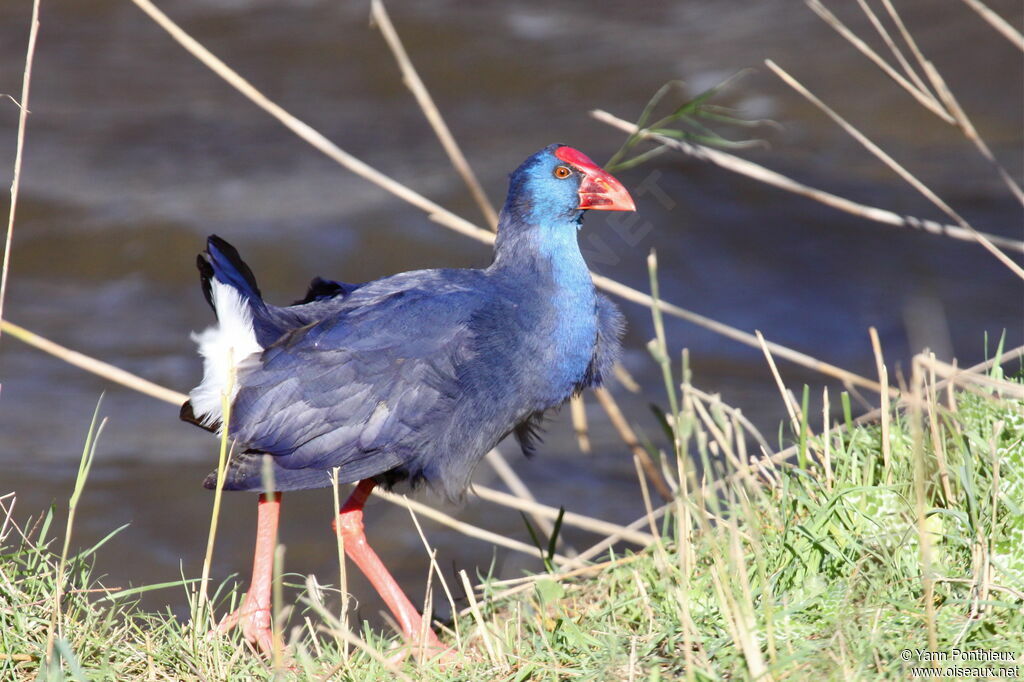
<point>805,576</point>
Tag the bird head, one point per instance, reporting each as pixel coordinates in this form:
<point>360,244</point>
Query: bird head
<point>558,184</point>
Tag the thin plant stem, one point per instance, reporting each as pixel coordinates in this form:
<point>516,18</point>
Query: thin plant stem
<point>882,156</point>
<point>84,466</point>
<point>412,80</point>
<point>222,466</point>
<point>749,169</point>
<point>26,82</point>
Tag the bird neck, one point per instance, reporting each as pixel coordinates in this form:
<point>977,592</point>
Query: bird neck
<point>543,266</point>
<point>547,251</point>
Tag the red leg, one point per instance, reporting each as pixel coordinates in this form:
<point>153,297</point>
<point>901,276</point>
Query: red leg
<point>350,524</point>
<point>253,615</point>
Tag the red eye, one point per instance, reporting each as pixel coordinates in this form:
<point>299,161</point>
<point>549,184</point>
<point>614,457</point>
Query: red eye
<point>562,172</point>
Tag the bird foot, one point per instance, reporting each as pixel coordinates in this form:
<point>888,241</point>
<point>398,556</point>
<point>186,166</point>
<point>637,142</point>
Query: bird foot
<point>429,650</point>
<point>254,621</point>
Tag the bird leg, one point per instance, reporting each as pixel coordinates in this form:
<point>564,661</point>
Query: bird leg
<point>350,525</point>
<point>253,615</point>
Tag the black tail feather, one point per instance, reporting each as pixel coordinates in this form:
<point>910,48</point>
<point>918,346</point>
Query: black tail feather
<point>220,260</point>
<point>187,415</point>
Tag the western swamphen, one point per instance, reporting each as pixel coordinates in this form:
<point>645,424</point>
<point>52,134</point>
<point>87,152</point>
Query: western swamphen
<point>413,377</point>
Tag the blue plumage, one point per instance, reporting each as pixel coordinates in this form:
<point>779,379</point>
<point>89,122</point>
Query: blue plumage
<point>416,376</point>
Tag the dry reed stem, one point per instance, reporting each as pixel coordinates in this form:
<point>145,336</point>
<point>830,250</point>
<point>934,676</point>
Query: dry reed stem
<point>445,217</point>
<point>474,608</point>
<point>581,521</point>
<point>436,570</point>
<point>826,439</point>
<point>26,82</point>
<point>103,369</point>
<point>757,172</point>
<point>511,479</point>
<point>886,413</point>
<point>924,97</point>
<point>894,48</point>
<point>629,437</point>
<point>998,23</point>
<point>952,373</point>
<point>578,411</point>
<point>615,538</point>
<point>412,80</point>
<point>787,397</point>
<point>895,166</point>
<point>339,540</point>
<point>735,412</point>
<point>468,529</point>
<point>945,95</point>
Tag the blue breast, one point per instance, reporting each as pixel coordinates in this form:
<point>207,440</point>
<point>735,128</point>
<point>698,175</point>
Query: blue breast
<point>574,331</point>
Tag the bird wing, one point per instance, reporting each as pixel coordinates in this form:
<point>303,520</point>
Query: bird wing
<point>356,390</point>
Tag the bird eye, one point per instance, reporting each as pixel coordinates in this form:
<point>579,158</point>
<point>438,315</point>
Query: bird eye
<point>562,172</point>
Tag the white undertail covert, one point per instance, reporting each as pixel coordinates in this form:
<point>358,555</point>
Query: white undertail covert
<point>225,347</point>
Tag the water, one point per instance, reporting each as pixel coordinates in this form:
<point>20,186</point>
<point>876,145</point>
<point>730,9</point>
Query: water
<point>135,152</point>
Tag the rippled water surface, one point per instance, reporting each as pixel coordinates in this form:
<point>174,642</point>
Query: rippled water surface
<point>135,152</point>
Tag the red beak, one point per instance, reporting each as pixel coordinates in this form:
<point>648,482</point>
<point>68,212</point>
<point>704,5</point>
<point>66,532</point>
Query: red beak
<point>599,191</point>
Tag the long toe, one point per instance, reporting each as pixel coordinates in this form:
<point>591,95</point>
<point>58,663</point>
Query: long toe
<point>255,626</point>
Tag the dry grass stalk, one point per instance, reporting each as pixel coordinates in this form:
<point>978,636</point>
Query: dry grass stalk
<point>339,539</point>
<point>510,478</point>
<point>97,367</point>
<point>491,644</point>
<point>412,80</point>
<point>787,397</point>
<point>947,371</point>
<point>921,94</point>
<point>886,413</point>
<point>587,523</point>
<point>938,442</point>
<point>769,177</point>
<point>734,412</point>
<point>615,538</point>
<point>358,643</point>
<point>921,503</point>
<point>945,106</point>
<point>436,570</point>
<point>26,83</point>
<point>998,23</point>
<point>907,176</point>
<point>952,105</point>
<point>468,529</point>
<point>578,410</point>
<point>561,575</point>
<point>611,407</point>
<point>896,51</point>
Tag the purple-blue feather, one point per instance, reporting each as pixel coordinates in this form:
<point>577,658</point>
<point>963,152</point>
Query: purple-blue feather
<point>416,376</point>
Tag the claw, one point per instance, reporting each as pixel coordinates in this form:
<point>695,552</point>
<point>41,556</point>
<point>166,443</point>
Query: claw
<point>254,622</point>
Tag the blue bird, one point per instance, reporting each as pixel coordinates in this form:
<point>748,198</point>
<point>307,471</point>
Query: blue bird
<point>411,378</point>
